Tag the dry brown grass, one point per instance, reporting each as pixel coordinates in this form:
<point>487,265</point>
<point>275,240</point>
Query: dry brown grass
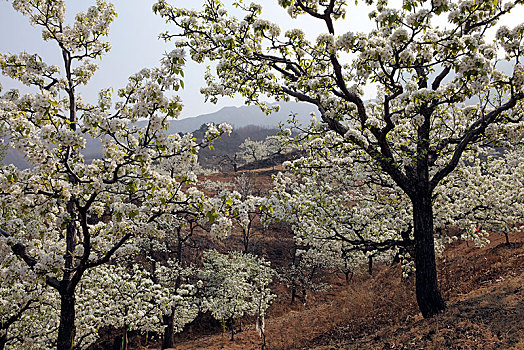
<point>485,289</point>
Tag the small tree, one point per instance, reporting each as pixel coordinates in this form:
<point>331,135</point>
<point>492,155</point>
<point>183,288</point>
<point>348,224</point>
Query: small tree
<point>184,302</point>
<point>235,284</point>
<point>252,151</point>
<point>246,213</point>
<point>272,146</point>
<point>417,127</point>
<point>304,272</point>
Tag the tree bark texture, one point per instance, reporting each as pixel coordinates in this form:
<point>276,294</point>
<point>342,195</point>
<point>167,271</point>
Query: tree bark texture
<point>66,330</point>
<point>3,341</point>
<point>429,300</point>
<point>124,338</point>
<point>168,320</point>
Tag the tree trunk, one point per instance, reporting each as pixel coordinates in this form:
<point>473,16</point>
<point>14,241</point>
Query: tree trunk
<point>124,338</point>
<point>263,334</point>
<point>429,300</point>
<point>293,283</point>
<point>169,330</point>
<point>348,275</point>
<point>3,340</point>
<point>232,323</point>
<point>245,239</point>
<point>66,330</point>
<point>169,320</point>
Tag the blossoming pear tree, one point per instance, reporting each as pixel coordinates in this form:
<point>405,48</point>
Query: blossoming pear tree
<point>253,151</point>
<point>235,284</point>
<point>64,215</point>
<point>321,188</point>
<point>437,73</point>
<point>172,228</point>
<point>337,218</point>
<point>123,297</point>
<point>185,303</point>
<point>487,194</point>
<point>273,145</point>
<point>246,213</point>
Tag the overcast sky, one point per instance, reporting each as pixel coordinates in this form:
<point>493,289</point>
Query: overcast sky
<point>135,44</point>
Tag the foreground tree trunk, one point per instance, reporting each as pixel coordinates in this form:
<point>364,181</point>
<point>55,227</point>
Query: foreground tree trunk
<point>169,320</point>
<point>169,333</point>
<point>66,330</point>
<point>124,338</point>
<point>3,341</point>
<point>429,300</point>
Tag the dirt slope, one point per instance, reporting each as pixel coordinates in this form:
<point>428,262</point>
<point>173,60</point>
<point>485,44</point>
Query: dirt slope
<point>484,289</point>
<point>490,317</point>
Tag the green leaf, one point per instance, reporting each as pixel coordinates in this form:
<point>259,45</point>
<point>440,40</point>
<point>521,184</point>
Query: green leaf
<point>131,187</point>
<point>211,217</point>
<point>12,178</point>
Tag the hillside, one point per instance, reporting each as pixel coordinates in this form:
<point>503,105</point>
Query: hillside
<point>246,115</point>
<point>483,288</point>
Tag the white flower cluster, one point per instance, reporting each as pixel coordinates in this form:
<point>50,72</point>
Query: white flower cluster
<point>327,42</point>
<point>86,30</point>
<point>420,17</point>
<point>222,227</point>
<point>262,25</point>
<point>214,131</point>
<point>26,68</point>
<point>399,36</point>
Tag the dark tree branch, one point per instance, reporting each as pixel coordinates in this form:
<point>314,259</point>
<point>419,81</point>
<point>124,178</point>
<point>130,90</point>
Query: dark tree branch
<point>110,253</point>
<point>472,134</point>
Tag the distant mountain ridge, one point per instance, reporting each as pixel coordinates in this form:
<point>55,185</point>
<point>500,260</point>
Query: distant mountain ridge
<point>238,117</point>
<point>246,115</point>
